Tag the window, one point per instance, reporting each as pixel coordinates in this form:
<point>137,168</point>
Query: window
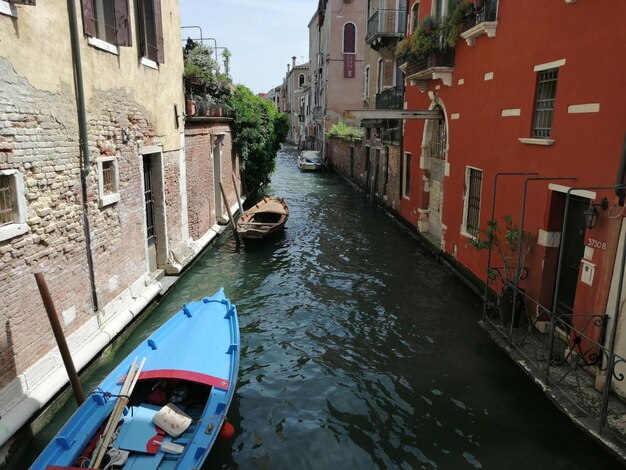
<point>150,30</point>
<point>12,205</point>
<point>386,170</point>
<point>301,80</point>
<point>414,17</point>
<point>107,21</point>
<point>439,7</point>
<point>366,83</point>
<point>380,76</point>
<point>406,176</point>
<point>471,203</point>
<point>544,102</point>
<point>349,36</point>
<point>108,181</point>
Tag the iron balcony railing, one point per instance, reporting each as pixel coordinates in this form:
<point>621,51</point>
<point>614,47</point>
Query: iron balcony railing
<point>443,58</point>
<point>487,11</point>
<point>386,23</point>
<point>392,98</point>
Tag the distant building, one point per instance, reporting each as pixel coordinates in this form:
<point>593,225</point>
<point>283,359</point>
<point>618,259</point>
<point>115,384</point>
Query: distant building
<point>295,87</point>
<point>336,54</point>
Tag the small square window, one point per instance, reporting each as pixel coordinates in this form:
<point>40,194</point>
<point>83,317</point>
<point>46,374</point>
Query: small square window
<point>12,205</point>
<point>108,181</point>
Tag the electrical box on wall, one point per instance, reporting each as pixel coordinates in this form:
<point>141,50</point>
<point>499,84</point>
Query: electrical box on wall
<point>588,270</point>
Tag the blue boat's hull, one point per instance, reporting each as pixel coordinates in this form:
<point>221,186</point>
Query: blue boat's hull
<point>197,350</point>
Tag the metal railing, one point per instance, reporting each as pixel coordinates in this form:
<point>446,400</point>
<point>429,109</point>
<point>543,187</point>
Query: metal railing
<point>387,23</point>
<point>487,11</point>
<point>569,353</point>
<point>392,98</point>
<point>443,58</point>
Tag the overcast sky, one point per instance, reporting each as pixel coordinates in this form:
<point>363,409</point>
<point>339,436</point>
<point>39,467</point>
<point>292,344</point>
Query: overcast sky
<point>262,36</point>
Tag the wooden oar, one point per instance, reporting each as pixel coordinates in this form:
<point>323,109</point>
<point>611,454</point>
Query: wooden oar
<point>118,409</point>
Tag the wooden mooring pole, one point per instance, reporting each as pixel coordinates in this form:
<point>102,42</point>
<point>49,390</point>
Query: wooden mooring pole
<point>237,194</point>
<point>60,338</point>
<point>230,215</point>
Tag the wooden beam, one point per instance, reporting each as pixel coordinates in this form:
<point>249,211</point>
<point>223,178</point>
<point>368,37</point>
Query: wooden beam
<point>391,114</point>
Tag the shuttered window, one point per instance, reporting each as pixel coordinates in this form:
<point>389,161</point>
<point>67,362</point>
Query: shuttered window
<point>150,30</point>
<point>107,20</point>
<point>473,182</point>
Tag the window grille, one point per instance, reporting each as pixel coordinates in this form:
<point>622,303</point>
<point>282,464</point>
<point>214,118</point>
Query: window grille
<point>475,178</point>
<point>544,104</point>
<point>6,201</point>
<point>108,177</point>
<point>438,137</point>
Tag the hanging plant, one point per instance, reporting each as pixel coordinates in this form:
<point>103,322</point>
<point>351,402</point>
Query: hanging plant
<point>455,23</point>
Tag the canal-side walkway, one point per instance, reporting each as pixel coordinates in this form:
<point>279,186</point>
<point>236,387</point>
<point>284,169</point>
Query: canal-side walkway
<point>569,386</point>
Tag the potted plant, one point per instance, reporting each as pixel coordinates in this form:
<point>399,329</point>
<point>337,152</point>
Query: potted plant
<point>512,245</point>
<point>193,74</point>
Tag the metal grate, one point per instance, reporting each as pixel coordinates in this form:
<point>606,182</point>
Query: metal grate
<point>407,175</point>
<point>108,177</point>
<point>147,182</point>
<point>473,201</point>
<point>6,201</point>
<point>544,105</point>
<point>438,139</point>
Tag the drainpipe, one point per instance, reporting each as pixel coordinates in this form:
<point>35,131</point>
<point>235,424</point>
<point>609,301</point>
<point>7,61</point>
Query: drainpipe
<point>84,140</point>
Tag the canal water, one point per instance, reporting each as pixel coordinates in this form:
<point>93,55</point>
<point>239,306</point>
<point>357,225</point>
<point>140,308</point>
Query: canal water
<point>359,350</point>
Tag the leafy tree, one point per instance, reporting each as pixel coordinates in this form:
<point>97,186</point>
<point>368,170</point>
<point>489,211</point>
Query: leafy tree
<point>258,131</point>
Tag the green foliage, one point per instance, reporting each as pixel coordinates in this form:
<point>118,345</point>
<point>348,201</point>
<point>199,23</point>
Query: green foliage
<point>258,131</point>
<point>507,239</point>
<point>434,35</point>
<point>343,131</point>
<point>204,81</point>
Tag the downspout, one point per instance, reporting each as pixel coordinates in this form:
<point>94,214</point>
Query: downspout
<point>84,141</point>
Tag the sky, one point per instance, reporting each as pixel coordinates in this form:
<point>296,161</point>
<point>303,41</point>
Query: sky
<point>262,36</point>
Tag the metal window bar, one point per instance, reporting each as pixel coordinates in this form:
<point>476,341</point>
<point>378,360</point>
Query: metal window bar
<point>147,175</point>
<point>407,175</point>
<point>108,177</point>
<point>6,201</point>
<point>473,200</point>
<point>436,147</point>
<point>544,105</point>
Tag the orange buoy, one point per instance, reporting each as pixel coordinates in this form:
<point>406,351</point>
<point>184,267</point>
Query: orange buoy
<point>227,433</point>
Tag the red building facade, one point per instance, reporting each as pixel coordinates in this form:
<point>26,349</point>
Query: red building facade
<point>532,122</point>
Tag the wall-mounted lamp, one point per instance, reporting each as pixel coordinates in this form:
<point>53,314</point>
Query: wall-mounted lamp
<point>592,214</point>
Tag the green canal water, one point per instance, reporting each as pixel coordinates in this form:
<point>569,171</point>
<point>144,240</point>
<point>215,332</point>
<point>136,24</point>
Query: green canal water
<point>359,351</point>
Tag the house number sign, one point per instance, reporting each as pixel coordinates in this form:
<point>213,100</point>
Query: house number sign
<point>593,243</point>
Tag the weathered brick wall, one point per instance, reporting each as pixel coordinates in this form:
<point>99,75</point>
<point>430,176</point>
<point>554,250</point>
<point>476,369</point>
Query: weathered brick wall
<point>38,135</point>
<point>119,230</point>
<point>338,157</point>
<point>200,137</point>
<point>338,154</point>
<point>39,138</point>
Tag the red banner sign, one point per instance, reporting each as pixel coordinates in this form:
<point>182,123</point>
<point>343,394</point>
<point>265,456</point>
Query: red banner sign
<point>349,61</point>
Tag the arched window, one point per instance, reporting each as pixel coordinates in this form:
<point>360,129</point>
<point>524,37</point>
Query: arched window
<point>414,17</point>
<point>301,80</point>
<point>349,38</point>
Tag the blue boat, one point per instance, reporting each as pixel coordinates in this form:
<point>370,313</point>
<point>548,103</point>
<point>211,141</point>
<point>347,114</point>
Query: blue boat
<point>164,405</point>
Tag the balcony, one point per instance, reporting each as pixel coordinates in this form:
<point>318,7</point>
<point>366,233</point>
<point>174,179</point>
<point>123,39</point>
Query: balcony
<point>483,22</point>
<point>392,98</point>
<point>438,65</point>
<point>385,27</point>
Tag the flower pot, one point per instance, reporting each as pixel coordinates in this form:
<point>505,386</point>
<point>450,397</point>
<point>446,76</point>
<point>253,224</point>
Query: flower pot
<point>190,107</point>
<point>510,313</point>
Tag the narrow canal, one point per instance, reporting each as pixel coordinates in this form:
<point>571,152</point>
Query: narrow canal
<point>360,351</point>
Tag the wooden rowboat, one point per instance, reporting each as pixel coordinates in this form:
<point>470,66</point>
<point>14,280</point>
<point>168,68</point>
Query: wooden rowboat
<point>167,412</point>
<point>265,218</point>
